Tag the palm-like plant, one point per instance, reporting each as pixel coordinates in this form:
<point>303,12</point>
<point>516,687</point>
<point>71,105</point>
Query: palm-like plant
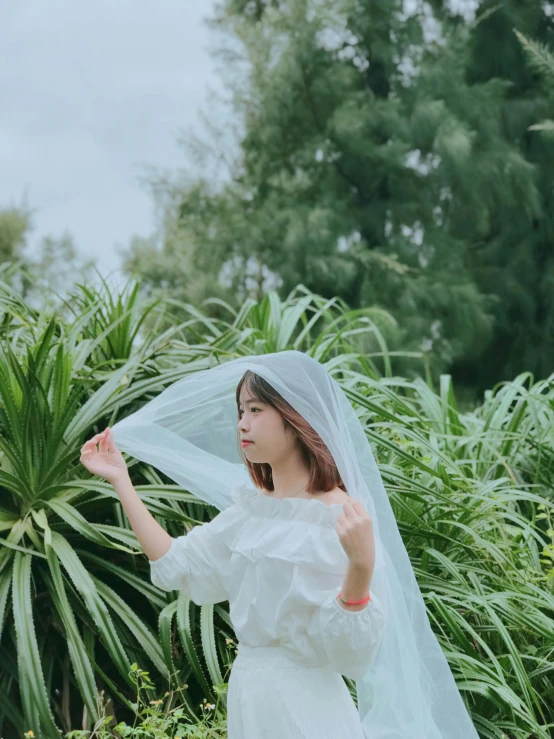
<point>473,497</point>
<point>472,493</point>
<point>305,321</point>
<point>82,608</point>
<point>56,384</point>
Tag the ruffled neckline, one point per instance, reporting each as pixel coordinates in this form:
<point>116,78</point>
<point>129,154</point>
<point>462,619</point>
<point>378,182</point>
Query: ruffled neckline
<point>292,509</point>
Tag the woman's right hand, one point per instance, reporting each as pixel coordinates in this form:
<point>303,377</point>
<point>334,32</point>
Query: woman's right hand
<point>107,461</point>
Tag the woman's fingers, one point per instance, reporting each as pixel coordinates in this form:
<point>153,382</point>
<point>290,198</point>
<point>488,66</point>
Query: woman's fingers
<point>111,442</point>
<point>349,510</point>
<point>353,509</point>
<point>96,439</point>
<point>103,444</point>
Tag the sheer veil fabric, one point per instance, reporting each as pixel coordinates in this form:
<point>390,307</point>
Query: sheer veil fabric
<point>189,432</point>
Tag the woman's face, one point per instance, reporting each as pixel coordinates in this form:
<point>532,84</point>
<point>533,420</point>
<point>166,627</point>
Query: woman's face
<point>264,426</point>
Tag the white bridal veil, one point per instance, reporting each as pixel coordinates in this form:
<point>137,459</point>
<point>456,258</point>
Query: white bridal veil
<point>189,432</point>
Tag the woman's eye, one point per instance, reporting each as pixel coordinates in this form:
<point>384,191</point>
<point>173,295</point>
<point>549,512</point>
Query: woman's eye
<point>251,409</point>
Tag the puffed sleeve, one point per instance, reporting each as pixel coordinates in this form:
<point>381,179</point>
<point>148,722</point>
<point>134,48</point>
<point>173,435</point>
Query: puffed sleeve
<point>349,638</point>
<point>197,563</point>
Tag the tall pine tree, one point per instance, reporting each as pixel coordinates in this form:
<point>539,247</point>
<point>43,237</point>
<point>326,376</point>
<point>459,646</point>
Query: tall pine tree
<point>379,162</point>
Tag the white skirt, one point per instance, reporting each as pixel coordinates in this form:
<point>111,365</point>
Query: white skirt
<point>271,697</point>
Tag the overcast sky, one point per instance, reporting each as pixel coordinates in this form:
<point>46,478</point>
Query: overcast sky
<point>90,93</point>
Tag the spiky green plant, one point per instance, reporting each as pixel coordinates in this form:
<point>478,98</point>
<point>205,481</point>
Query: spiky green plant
<point>473,497</point>
<point>472,493</point>
<point>82,608</point>
<point>67,548</point>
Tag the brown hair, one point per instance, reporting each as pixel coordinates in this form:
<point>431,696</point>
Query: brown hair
<point>324,475</point>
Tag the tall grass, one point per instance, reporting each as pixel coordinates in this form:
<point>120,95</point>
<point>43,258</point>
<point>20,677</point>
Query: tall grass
<point>472,493</point>
<point>473,496</point>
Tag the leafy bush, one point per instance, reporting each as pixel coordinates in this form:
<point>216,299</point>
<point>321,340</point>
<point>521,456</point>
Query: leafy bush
<point>472,492</point>
<point>82,608</point>
<point>156,720</point>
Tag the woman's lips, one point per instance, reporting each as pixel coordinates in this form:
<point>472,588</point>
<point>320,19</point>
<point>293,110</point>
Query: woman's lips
<point>246,443</point>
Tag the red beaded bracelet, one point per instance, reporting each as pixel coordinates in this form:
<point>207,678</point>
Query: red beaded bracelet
<point>354,602</point>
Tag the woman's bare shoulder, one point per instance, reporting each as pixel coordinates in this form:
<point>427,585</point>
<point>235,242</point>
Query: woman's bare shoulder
<point>334,496</point>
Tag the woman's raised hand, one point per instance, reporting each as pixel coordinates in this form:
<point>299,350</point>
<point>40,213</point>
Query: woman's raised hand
<point>106,461</point>
<point>355,530</point>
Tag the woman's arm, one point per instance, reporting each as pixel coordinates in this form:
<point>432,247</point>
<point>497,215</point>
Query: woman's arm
<point>154,540</point>
<point>355,530</point>
<point>356,585</point>
<point>107,461</point>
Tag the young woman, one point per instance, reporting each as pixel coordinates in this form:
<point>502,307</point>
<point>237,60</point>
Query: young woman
<point>305,549</point>
<point>278,555</point>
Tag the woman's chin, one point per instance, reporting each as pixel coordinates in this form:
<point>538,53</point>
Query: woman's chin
<point>253,455</point>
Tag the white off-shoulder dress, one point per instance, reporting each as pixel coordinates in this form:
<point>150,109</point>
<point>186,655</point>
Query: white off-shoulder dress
<point>281,565</point>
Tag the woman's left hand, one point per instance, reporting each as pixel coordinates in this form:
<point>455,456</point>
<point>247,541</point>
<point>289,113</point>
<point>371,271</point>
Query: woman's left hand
<point>355,531</point>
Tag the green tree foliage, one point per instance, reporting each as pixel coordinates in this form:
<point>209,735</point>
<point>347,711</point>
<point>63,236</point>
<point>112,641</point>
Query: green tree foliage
<point>385,158</point>
<point>14,226</point>
<point>515,259</point>
<point>45,274</point>
<point>542,61</point>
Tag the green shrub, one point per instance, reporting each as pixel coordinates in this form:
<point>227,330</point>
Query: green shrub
<point>472,493</point>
